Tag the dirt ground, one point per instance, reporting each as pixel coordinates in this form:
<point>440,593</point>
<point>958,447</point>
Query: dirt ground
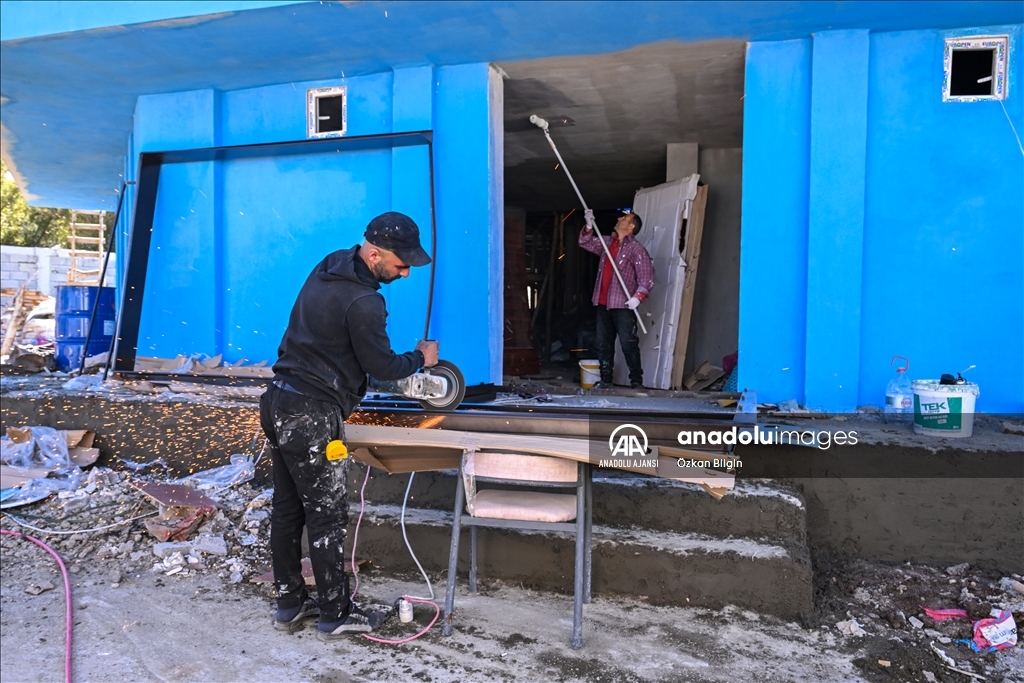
<point>196,616</point>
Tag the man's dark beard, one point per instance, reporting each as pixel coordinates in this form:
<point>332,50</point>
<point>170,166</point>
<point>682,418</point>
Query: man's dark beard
<point>380,272</point>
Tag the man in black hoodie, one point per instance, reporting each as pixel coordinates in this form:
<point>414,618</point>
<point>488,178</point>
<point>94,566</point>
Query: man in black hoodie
<point>336,336</point>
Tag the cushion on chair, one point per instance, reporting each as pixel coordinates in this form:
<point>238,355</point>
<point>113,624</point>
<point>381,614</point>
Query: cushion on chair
<point>524,467</point>
<point>528,506</point>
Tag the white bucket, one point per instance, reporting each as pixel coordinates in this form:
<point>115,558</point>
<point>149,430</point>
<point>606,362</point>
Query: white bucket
<point>590,373</point>
<point>944,409</point>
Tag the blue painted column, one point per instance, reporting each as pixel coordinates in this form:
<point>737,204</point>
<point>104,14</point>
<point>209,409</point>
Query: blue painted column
<point>835,218</point>
<point>773,240</point>
<point>467,164</point>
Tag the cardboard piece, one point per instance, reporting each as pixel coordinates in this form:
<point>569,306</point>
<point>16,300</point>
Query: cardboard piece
<point>12,476</point>
<point>703,377</point>
<point>83,457</point>
<point>80,448</point>
<point>23,435</point>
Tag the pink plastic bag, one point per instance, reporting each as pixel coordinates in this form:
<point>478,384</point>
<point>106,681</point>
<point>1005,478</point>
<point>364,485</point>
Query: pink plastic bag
<point>999,632</point>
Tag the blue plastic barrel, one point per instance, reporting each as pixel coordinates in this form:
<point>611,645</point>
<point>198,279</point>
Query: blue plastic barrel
<point>71,318</point>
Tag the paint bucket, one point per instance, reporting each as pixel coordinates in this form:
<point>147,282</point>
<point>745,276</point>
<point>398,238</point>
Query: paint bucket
<point>71,319</point>
<point>944,409</point>
<point>590,373</point>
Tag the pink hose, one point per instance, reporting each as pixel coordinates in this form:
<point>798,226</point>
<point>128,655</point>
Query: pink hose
<point>437,613</point>
<point>67,596</point>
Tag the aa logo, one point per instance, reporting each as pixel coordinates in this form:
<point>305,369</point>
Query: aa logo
<point>628,441</point>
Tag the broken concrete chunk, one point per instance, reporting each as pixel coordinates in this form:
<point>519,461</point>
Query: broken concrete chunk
<point>958,569</point>
<point>34,589</point>
<point>212,544</point>
<point>75,504</point>
<point>165,550</point>
<point>851,628</point>
<point>236,577</point>
<point>915,622</point>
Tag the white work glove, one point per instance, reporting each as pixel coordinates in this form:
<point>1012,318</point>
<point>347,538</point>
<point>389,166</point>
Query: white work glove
<point>632,303</point>
<point>588,216</point>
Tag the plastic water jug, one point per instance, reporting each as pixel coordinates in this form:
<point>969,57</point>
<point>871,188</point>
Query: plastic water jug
<point>899,395</point>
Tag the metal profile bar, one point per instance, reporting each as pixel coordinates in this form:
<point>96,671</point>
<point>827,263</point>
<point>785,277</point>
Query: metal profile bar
<point>140,235</point>
<point>568,527</point>
<point>139,238</point>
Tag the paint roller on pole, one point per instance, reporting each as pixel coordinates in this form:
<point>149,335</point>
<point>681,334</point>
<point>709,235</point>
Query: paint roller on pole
<point>543,125</point>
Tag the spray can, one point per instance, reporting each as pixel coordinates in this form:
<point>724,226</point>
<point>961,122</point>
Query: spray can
<point>899,395</point>
<point>404,611</point>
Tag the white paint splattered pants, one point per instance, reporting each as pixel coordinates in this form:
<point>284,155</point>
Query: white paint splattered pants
<point>309,490</point>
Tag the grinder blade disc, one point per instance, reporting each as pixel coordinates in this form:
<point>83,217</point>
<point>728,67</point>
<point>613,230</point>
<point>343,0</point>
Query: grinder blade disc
<point>456,387</point>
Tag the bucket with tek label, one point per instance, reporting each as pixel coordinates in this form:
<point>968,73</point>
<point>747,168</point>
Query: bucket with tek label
<point>944,409</point>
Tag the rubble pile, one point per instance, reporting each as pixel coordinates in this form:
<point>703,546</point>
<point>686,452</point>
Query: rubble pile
<point>232,543</point>
<point>917,622</point>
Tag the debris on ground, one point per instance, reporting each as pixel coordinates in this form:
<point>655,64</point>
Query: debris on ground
<point>919,618</point>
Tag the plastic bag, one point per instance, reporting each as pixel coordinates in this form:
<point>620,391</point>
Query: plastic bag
<point>46,449</point>
<point>84,383</point>
<point>996,633</point>
<point>16,454</point>
<point>241,470</point>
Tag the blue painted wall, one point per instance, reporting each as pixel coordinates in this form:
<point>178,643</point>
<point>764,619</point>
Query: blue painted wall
<point>234,240</point>
<point>914,215</point>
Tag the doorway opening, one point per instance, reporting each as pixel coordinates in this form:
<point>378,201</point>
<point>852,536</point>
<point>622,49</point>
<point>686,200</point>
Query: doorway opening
<point>622,122</point>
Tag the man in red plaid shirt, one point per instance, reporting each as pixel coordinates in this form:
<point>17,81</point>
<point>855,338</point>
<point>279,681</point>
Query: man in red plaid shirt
<point>615,307</point>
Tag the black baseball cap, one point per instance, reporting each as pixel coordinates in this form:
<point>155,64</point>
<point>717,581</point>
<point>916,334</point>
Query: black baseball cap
<point>399,234</point>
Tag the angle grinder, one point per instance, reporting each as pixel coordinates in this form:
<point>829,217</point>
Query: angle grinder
<point>441,387</point>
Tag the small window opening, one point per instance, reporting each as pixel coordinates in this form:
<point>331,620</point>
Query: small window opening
<point>975,69</point>
<point>972,73</point>
<point>326,112</point>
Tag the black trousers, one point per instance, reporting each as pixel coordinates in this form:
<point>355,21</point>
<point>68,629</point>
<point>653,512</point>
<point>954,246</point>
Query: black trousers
<point>310,491</point>
<point>621,322</point>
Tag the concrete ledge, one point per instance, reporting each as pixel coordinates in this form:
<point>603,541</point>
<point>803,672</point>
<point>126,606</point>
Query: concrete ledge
<point>752,509</point>
<point>660,566</point>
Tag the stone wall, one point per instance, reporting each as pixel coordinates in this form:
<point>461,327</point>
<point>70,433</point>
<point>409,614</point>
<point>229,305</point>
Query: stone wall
<point>44,268</point>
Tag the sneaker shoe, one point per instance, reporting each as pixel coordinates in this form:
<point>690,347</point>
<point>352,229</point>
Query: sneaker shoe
<point>292,619</point>
<point>636,385</point>
<point>357,621</point>
<point>604,385</point>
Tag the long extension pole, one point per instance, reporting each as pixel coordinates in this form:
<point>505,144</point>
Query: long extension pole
<point>543,125</point>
